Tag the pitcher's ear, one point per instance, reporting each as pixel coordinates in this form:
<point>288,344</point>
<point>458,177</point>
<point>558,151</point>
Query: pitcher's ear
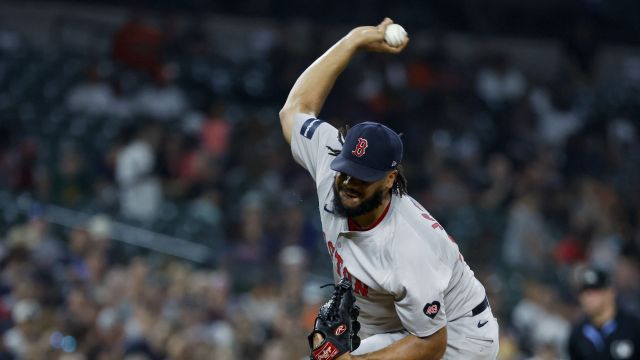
<point>390,179</point>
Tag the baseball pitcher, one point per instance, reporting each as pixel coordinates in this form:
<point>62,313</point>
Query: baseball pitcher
<point>413,295</point>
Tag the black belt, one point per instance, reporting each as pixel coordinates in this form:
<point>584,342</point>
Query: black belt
<point>481,307</point>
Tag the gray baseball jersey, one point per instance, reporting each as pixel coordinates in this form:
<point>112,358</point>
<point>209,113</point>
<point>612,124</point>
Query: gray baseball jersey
<point>407,272</point>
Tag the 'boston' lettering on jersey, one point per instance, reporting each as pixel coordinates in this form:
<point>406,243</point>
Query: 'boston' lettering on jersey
<point>359,287</point>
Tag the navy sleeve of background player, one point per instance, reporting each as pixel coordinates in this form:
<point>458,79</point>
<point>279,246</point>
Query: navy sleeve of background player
<point>573,343</point>
<point>309,142</point>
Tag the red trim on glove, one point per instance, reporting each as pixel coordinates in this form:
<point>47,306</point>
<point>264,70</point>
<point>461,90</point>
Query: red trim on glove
<point>326,351</point>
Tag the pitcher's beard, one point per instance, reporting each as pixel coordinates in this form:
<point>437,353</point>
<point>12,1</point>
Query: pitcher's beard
<point>366,206</point>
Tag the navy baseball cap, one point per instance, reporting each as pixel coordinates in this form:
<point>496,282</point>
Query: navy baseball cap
<point>369,151</point>
<point>592,278</point>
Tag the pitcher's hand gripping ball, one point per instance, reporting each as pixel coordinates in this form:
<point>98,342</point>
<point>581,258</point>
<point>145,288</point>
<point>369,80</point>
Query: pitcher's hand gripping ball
<point>337,323</point>
<point>395,35</point>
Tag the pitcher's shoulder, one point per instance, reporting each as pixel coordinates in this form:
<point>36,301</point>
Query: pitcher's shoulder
<point>413,215</point>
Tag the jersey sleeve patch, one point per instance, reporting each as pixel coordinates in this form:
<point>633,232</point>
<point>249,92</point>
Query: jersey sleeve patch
<point>431,309</point>
<point>309,127</point>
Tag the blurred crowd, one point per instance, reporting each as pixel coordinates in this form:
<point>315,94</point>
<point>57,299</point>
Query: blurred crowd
<point>532,178</point>
<point>82,299</point>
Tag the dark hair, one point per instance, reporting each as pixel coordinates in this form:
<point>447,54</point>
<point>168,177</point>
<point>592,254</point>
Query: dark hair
<point>400,183</point>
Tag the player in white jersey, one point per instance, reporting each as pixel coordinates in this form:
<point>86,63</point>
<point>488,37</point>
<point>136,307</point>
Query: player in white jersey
<point>418,298</point>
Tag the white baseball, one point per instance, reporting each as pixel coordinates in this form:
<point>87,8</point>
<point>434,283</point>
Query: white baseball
<point>395,35</point>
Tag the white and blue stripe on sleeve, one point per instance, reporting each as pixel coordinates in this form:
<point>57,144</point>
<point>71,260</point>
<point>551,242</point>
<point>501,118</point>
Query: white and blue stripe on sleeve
<point>309,127</point>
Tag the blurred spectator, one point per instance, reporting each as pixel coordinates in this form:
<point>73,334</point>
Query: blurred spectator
<point>596,212</point>
<point>627,280</point>
<point>96,95</point>
<point>140,190</point>
<point>501,183</point>
<point>139,44</point>
<point>71,184</point>
<point>509,347</point>
<point>253,250</point>
<point>206,208</point>
<point>607,331</point>
<point>32,234</point>
<point>527,238</point>
<point>216,132</point>
<point>296,230</point>
<point>499,83</point>
<point>558,116</point>
<point>293,263</point>
<point>26,332</point>
<point>538,319</point>
<point>20,166</point>
<point>163,99</point>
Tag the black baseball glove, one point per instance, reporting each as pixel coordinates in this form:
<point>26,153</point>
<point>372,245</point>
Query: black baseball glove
<point>337,323</point>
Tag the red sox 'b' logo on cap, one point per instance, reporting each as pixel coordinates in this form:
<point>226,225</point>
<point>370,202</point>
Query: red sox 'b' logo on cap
<point>360,147</point>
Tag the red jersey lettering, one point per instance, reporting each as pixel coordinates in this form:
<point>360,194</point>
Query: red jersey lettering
<point>331,248</point>
<point>361,288</point>
<point>339,263</point>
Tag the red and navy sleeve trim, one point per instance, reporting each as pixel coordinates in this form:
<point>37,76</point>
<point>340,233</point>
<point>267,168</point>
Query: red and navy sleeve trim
<point>309,127</point>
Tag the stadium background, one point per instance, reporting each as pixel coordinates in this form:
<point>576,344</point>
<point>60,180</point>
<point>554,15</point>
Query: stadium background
<point>150,209</point>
